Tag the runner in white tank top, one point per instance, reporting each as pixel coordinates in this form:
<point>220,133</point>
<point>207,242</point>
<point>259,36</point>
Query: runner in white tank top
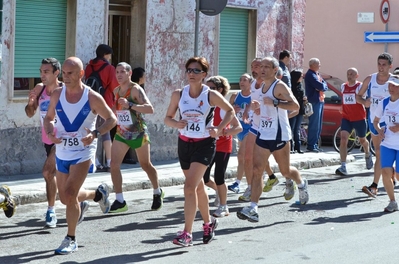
<point>76,107</point>
<point>376,89</point>
<point>276,95</point>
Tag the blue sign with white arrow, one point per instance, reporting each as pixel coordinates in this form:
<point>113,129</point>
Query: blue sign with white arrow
<point>381,37</point>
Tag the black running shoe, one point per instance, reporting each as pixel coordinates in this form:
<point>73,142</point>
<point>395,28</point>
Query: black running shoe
<point>118,207</point>
<point>9,204</point>
<point>157,201</point>
<point>209,230</point>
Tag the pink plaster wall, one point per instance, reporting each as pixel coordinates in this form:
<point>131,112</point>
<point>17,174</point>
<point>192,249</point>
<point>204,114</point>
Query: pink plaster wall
<point>334,36</point>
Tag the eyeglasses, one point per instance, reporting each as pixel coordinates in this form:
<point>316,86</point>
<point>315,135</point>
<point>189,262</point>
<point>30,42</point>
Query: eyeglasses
<point>193,70</point>
<point>213,87</point>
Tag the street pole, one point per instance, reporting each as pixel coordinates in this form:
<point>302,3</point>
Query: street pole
<point>196,27</point>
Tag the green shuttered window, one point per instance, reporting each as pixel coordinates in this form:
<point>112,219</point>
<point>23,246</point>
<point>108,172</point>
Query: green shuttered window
<point>233,43</point>
<point>40,32</point>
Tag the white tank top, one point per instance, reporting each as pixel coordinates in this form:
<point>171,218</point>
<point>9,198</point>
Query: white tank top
<point>256,94</point>
<point>376,92</point>
<point>72,119</point>
<point>198,113</point>
<point>389,115</point>
<point>274,123</point>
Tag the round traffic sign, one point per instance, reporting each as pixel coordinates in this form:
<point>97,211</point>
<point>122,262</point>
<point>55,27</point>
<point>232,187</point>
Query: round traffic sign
<point>384,11</point>
<point>212,7</point>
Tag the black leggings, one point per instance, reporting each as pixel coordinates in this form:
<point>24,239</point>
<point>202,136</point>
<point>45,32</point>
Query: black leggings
<point>220,160</point>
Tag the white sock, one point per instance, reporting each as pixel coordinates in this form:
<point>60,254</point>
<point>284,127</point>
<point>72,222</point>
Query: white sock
<point>343,164</point>
<point>50,208</point>
<point>238,182</point>
<point>97,162</point>
<point>157,191</point>
<point>254,206</point>
<point>301,184</point>
<point>119,197</point>
<point>249,187</point>
<point>108,162</point>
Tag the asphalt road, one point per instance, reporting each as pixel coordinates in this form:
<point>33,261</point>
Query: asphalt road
<point>340,224</point>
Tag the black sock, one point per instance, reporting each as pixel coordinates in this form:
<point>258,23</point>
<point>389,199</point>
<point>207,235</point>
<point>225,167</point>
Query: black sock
<point>71,237</point>
<point>272,177</point>
<point>374,185</point>
<point>98,196</point>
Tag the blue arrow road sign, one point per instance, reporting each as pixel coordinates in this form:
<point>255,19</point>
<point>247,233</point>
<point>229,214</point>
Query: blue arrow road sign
<point>381,37</point>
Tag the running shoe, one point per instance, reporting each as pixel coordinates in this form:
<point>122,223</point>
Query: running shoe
<point>222,211</point>
<point>290,187</point>
<point>67,246</point>
<point>246,197</point>
<point>369,161</point>
<point>84,206</point>
<point>51,219</point>
<point>235,187</point>
<point>303,192</point>
<point>392,207</point>
<point>370,191</point>
<point>183,239</point>
<point>248,213</point>
<point>209,230</point>
<point>270,183</point>
<point>157,201</point>
<point>9,204</point>
<point>118,207</point>
<point>341,171</point>
<point>104,202</point>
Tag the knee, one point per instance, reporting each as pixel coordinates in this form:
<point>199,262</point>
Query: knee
<point>219,180</point>
<point>189,189</point>
<point>387,172</point>
<point>48,175</point>
<point>147,166</point>
<point>285,171</point>
<point>241,158</point>
<point>68,196</point>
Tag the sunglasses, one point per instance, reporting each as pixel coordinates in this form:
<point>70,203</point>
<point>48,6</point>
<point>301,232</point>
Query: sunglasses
<point>193,70</point>
<point>213,87</point>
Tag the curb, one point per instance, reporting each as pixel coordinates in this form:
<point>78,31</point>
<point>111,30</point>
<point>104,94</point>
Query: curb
<point>130,184</point>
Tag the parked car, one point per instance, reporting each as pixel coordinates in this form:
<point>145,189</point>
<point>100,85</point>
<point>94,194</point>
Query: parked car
<point>332,105</point>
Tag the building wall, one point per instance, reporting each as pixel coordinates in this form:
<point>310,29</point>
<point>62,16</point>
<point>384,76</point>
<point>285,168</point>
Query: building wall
<point>334,36</point>
<point>169,43</point>
<point>21,148</point>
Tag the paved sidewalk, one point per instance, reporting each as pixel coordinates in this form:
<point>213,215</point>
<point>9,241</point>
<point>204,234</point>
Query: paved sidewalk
<point>31,188</point>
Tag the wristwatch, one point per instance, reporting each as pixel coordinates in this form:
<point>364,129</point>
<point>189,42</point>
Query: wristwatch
<point>130,105</point>
<point>96,133</point>
<point>275,102</point>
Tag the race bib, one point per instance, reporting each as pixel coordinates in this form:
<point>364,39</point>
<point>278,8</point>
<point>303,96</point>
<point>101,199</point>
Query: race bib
<point>124,118</point>
<point>268,124</point>
<point>194,129</point>
<point>72,141</point>
<point>349,98</point>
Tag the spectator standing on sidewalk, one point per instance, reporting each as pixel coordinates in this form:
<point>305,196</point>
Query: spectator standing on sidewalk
<point>315,87</point>
<point>375,87</point>
<point>284,60</point>
<point>196,143</point>
<point>353,117</point>
<point>75,137</point>
<point>296,121</point>
<point>106,72</point>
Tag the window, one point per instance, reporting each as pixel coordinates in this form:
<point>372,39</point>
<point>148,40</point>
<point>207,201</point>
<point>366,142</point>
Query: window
<point>37,37</point>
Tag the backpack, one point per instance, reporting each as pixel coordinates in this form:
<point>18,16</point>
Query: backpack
<point>94,80</point>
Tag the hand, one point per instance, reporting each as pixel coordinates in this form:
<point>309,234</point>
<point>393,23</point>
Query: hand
<point>394,128</point>
<point>53,138</point>
<point>88,139</point>
<point>214,132</point>
<point>32,98</point>
<point>381,132</point>
<point>181,124</point>
<point>123,102</point>
<point>255,105</point>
